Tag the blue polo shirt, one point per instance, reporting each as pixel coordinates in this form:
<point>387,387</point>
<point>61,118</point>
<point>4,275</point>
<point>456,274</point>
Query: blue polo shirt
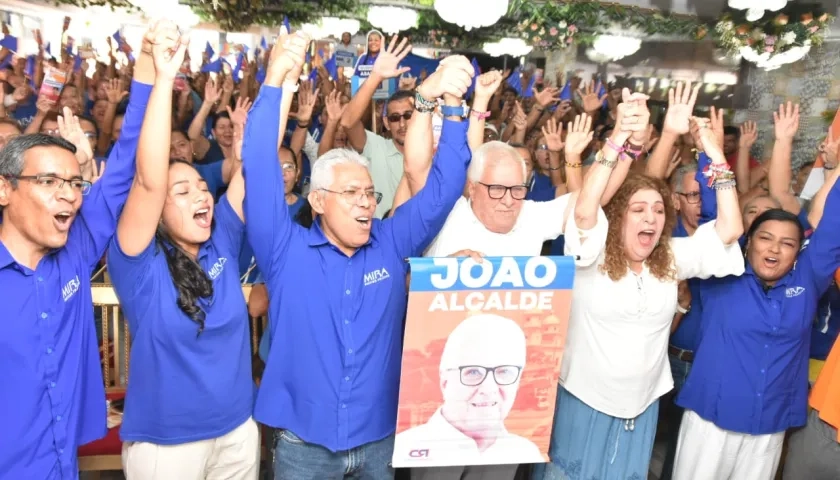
<point>184,386</point>
<point>212,174</point>
<point>687,336</point>
<point>750,372</point>
<point>333,371</point>
<point>52,397</point>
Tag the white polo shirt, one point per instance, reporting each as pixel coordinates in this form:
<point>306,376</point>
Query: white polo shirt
<point>447,447</point>
<point>537,223</point>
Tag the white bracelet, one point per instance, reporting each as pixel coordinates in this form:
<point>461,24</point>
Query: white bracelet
<point>290,86</point>
<point>682,310</point>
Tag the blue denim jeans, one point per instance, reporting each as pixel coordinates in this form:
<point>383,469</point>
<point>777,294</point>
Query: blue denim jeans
<point>295,459</point>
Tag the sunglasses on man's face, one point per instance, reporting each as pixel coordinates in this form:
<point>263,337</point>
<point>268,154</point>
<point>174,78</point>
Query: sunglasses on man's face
<point>395,117</point>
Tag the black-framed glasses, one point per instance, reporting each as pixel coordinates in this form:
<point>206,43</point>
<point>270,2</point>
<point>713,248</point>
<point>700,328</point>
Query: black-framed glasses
<point>497,192</point>
<point>395,117</point>
<point>690,197</point>
<point>474,375</point>
<point>53,182</point>
<point>354,197</point>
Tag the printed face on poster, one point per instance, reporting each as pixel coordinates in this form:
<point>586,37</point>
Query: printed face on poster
<point>364,67</point>
<point>481,360</point>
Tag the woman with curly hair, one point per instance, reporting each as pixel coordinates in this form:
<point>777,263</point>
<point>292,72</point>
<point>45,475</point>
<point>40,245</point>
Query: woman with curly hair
<point>615,366</point>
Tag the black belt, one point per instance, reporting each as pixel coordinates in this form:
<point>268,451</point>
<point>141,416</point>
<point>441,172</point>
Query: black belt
<point>684,355</point>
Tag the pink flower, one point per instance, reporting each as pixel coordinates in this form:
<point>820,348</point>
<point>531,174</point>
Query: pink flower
<point>814,29</point>
<point>572,29</point>
<point>534,26</point>
<point>770,40</point>
<point>569,40</point>
<point>768,49</point>
<point>553,31</point>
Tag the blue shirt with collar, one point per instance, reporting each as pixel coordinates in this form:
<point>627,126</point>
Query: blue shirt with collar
<point>52,396</point>
<point>750,372</point>
<point>333,371</point>
<point>185,386</point>
<point>212,175</point>
<point>687,336</point>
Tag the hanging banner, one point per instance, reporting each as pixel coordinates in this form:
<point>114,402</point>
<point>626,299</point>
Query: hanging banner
<point>481,360</point>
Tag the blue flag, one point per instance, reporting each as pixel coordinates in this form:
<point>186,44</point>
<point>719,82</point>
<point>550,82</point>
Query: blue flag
<point>286,24</point>
<point>331,67</point>
<point>263,44</point>
<point>260,77</point>
<point>240,59</point>
<point>77,63</point>
<point>215,66</point>
<point>514,81</point>
<point>48,49</point>
<point>208,50</point>
<point>29,70</point>
<point>9,42</point>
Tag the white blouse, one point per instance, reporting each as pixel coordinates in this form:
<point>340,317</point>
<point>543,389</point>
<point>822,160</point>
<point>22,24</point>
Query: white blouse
<point>616,358</point>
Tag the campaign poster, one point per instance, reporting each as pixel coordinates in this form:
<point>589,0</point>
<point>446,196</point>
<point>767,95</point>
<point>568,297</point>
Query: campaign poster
<point>481,360</point>
<point>364,67</point>
<point>53,83</point>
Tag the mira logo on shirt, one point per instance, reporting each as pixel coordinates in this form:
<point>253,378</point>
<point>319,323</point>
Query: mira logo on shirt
<point>794,292</point>
<point>217,268</point>
<point>376,276</point>
<point>70,288</point>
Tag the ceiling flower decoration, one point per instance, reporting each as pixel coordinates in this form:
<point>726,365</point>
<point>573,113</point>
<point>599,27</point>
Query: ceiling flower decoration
<point>515,47</point>
<point>392,20</point>
<point>775,42</point>
<point>756,8</point>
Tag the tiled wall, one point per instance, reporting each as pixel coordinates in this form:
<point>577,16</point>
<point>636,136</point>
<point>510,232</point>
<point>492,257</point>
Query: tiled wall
<point>813,82</point>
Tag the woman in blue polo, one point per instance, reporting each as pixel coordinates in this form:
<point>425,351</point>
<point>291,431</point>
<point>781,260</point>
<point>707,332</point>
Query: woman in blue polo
<point>173,263</point>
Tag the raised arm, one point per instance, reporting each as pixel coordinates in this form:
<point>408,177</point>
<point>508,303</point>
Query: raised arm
<point>779,176</point>
<point>485,86</point>
<point>416,223</point>
<point>729,225</point>
<point>680,105</point>
<point>102,206</point>
<point>268,225</point>
<point>141,215</point>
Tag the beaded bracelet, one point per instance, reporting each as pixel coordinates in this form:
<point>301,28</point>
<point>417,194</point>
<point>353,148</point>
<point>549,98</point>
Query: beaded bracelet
<point>718,172</point>
<point>574,165</point>
<point>602,159</point>
<point>724,185</point>
<point>480,115</point>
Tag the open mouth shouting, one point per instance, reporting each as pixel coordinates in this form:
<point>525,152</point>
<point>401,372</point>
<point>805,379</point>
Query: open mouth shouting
<point>771,262</point>
<point>364,222</point>
<point>646,237</point>
<point>63,220</point>
<point>202,217</point>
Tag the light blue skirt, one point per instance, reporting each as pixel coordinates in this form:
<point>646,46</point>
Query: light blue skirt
<point>589,445</point>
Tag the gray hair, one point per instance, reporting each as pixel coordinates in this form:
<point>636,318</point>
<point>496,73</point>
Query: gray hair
<point>12,155</point>
<point>679,174</point>
<point>322,171</point>
<point>492,154</point>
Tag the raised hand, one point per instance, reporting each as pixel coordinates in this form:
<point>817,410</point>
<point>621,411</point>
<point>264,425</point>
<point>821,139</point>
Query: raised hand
<point>636,118</point>
<point>563,108</point>
<point>680,105</point>
<point>334,107</point>
<point>306,103</point>
<point>239,115</point>
<point>831,150</point>
<point>287,57</point>
<point>579,135</point>
<point>487,83</point>
<point>591,102</point>
<point>520,120</point>
<point>787,121</point>
<point>553,133</point>
<point>114,92</point>
<point>70,130</point>
<point>547,96</point>
<point>708,140</point>
<point>387,63</point>
<point>168,49</point>
<point>212,94</point>
<point>749,135</point>
<point>716,119</point>
<point>453,77</point>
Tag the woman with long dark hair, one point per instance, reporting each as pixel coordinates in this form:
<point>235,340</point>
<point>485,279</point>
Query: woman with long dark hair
<point>173,264</point>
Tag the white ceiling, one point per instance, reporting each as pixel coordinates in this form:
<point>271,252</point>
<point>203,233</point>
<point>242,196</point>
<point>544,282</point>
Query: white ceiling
<point>704,8</point>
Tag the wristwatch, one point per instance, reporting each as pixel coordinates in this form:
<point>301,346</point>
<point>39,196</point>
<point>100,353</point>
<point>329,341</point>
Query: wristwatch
<point>422,105</point>
<point>450,111</point>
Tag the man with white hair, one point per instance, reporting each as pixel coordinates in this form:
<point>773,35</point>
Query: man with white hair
<point>480,371</point>
<point>337,290</point>
<point>496,220</point>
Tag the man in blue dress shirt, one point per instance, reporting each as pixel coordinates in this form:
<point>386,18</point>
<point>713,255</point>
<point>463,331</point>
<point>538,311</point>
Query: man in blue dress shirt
<point>337,291</point>
<point>52,396</point>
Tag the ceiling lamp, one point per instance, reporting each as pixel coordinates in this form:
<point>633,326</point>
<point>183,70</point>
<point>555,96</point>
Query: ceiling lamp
<point>392,20</point>
<point>769,61</point>
<point>515,47</point>
<point>756,8</point>
<point>471,13</point>
<point>616,47</point>
<point>337,26</point>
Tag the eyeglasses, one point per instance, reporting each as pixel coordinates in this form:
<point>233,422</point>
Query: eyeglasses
<point>52,133</point>
<point>474,375</point>
<point>497,192</point>
<point>55,183</point>
<point>690,197</point>
<point>395,117</point>
<point>90,135</point>
<point>354,197</point>
<point>289,166</point>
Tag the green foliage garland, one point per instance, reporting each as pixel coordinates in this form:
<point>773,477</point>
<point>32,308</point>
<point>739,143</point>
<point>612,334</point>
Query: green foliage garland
<point>114,4</point>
